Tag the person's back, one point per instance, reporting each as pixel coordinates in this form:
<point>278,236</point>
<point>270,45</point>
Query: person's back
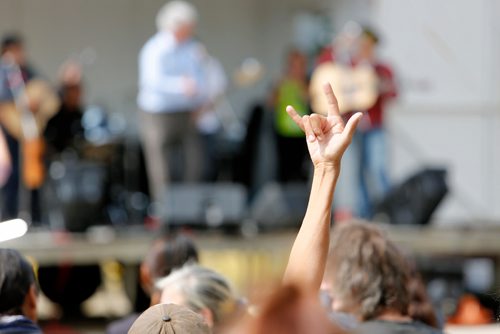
<point>18,294</point>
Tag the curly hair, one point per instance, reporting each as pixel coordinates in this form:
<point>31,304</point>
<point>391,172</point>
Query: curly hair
<point>369,274</point>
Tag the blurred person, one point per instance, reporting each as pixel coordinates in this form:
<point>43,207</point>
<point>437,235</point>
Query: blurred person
<point>171,89</point>
<point>18,294</point>
<point>371,137</point>
<point>291,90</point>
<point>65,128</point>
<point>5,160</point>
<point>13,52</point>
<point>202,290</point>
<point>369,274</point>
<point>365,175</point>
<point>169,319</point>
<point>371,279</point>
<point>207,120</point>
<point>165,254</point>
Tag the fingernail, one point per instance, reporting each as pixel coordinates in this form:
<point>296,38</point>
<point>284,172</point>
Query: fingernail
<point>311,138</point>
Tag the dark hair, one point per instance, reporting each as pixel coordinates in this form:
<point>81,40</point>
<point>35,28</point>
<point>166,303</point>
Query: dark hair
<point>169,252</point>
<point>420,307</point>
<point>16,278</point>
<point>370,33</point>
<point>11,40</point>
<point>369,273</point>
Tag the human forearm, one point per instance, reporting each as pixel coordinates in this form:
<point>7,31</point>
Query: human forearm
<point>307,261</point>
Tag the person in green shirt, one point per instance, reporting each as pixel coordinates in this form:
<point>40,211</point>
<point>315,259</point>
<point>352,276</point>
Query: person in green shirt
<point>291,90</point>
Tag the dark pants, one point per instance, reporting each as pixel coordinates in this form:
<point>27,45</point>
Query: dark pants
<point>171,143</point>
<point>292,153</point>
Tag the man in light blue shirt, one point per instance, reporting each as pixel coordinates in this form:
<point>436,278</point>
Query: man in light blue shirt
<point>172,88</point>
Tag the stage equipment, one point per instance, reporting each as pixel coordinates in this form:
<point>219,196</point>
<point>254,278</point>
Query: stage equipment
<point>204,205</point>
<point>415,199</point>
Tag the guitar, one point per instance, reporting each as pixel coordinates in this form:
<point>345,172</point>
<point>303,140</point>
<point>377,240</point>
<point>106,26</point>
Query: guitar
<point>25,118</point>
<point>356,88</point>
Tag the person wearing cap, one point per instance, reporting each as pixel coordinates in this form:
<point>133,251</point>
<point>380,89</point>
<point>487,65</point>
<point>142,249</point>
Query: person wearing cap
<point>18,294</point>
<point>172,88</point>
<point>169,319</point>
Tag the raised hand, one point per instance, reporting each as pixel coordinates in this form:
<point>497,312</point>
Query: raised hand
<point>327,136</point>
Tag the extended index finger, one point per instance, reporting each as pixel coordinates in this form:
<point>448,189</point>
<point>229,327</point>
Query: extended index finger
<point>333,105</point>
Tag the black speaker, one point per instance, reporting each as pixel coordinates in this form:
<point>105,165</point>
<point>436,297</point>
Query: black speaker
<point>205,204</point>
<point>280,205</point>
<point>78,194</point>
<point>415,200</point>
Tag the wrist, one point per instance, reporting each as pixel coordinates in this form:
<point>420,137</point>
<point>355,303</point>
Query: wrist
<point>327,170</point>
<point>327,166</point>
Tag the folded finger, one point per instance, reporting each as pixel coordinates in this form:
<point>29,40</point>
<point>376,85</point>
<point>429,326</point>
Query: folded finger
<point>316,125</point>
<point>308,129</point>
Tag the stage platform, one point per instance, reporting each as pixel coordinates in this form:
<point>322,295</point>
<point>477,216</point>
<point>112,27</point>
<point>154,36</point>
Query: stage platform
<point>129,245</point>
<point>245,259</point>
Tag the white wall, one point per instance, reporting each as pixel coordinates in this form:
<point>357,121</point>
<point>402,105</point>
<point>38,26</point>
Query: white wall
<point>447,56</point>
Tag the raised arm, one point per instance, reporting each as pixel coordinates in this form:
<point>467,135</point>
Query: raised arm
<point>327,139</point>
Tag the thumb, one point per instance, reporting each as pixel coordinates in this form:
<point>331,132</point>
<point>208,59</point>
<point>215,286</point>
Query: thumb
<point>351,126</point>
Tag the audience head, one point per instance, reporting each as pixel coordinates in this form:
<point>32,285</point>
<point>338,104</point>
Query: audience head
<point>297,64</point>
<point>13,46</point>
<point>178,17</point>
<point>18,288</point>
<point>202,290</point>
<point>367,273</point>
<point>167,253</point>
<point>169,319</point>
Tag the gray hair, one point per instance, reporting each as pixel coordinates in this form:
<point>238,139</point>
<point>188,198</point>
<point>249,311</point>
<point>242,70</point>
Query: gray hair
<point>175,14</point>
<point>202,288</point>
<point>369,273</point>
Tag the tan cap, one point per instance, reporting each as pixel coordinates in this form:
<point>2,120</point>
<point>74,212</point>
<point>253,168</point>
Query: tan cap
<point>169,319</point>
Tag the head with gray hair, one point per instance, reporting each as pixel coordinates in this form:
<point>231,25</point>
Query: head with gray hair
<point>200,289</point>
<point>178,17</point>
<point>367,272</point>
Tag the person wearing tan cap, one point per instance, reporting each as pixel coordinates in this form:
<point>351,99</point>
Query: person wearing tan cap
<point>169,319</point>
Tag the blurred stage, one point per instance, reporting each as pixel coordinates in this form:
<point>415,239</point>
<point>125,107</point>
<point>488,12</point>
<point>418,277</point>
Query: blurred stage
<point>270,250</point>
